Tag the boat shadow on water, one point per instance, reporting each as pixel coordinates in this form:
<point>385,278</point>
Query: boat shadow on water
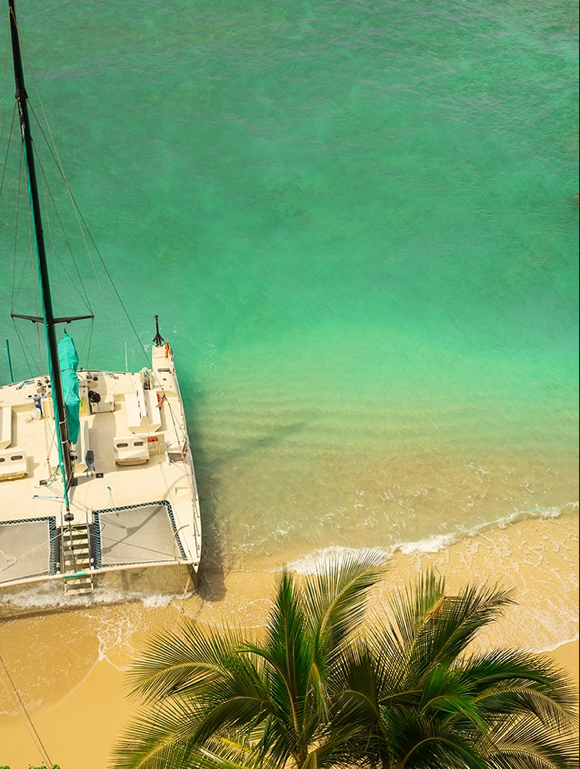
<point>210,578</point>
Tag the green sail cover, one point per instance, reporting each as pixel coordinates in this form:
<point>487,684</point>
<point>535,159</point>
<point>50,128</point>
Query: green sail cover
<point>69,362</point>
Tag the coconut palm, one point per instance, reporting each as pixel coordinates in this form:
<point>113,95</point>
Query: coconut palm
<point>423,701</point>
<point>218,700</point>
<point>315,692</point>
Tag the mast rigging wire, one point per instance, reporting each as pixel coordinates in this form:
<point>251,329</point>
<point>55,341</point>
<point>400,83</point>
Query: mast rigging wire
<point>57,160</point>
<point>8,143</point>
<point>24,347</point>
<point>85,231</point>
<point>4,82</point>
<point>82,224</point>
<point>80,218</point>
<point>28,720</point>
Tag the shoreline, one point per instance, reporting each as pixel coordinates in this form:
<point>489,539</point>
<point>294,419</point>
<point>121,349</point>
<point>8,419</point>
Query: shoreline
<point>566,656</point>
<point>68,662</point>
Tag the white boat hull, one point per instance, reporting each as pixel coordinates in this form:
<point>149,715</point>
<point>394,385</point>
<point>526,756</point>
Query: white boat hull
<point>135,494</point>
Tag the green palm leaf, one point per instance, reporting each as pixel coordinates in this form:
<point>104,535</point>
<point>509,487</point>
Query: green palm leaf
<point>188,660</point>
<point>316,692</point>
<point>539,683</point>
<point>336,597</point>
<point>229,754</point>
<point>430,628</point>
<point>420,743</point>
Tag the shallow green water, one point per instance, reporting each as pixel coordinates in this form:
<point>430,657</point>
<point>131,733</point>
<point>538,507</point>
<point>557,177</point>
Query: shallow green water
<point>357,223</point>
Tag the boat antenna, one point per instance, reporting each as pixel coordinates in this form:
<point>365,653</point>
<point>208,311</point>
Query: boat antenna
<point>158,340</point>
<point>48,319</point>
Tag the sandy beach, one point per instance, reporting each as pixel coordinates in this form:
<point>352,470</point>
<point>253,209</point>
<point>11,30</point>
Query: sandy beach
<point>67,666</point>
<point>99,712</point>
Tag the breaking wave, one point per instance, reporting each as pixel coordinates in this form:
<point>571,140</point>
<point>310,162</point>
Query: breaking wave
<point>309,563</point>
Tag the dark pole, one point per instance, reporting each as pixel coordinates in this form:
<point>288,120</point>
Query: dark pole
<point>158,340</point>
<point>66,464</point>
<point>9,361</point>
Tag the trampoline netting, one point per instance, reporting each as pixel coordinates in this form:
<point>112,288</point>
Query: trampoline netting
<point>136,534</point>
<point>27,548</point>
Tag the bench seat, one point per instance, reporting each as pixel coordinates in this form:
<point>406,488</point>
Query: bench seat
<point>153,410</point>
<point>131,450</point>
<point>13,464</point>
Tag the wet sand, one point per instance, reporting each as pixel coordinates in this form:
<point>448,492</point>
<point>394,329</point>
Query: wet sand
<point>68,665</point>
<point>566,658</point>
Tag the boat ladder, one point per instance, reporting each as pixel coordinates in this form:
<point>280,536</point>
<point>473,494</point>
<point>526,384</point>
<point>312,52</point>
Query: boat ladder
<point>76,560</point>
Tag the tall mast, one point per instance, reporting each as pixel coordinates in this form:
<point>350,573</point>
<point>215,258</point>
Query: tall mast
<point>48,319</point>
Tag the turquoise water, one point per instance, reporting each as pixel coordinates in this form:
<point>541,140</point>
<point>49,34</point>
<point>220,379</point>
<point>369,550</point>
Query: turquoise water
<point>357,223</point>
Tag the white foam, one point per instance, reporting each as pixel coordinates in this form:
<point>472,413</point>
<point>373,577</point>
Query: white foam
<point>46,596</point>
<point>438,542</point>
<point>555,647</point>
<point>312,562</point>
<point>435,543</point>
<point>157,600</point>
<point>430,545</point>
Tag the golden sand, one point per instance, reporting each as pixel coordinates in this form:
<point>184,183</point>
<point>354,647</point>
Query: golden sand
<point>80,729</point>
<point>67,665</point>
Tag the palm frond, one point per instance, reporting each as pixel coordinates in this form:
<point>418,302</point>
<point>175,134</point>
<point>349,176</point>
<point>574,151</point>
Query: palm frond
<point>355,687</point>
<point>187,660</point>
<point>524,733</point>
<point>185,721</point>
<point>403,694</point>
<point>336,597</point>
<point>227,753</point>
<point>514,759</point>
<point>495,668</point>
<point>462,617</point>
<point>216,753</point>
<point>513,755</point>
<point>289,664</point>
<point>414,604</point>
<point>448,696</point>
<point>156,738</point>
<point>287,646</point>
<point>421,743</point>
<point>431,628</point>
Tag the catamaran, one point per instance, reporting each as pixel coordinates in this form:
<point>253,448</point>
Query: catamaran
<point>96,471</point>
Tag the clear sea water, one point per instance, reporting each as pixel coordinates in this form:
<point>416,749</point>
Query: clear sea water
<point>357,223</point>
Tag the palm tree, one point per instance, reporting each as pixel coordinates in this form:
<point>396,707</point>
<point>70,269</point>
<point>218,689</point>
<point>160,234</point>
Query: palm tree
<point>316,692</point>
<point>219,700</point>
<point>421,701</point>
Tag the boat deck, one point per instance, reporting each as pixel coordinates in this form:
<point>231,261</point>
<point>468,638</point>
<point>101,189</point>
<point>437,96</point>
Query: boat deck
<point>136,492</point>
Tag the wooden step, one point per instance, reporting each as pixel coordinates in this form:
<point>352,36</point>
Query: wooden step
<point>79,590</point>
<point>80,550</point>
<point>76,561</point>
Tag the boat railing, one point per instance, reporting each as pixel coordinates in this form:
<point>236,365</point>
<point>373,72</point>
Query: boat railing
<point>90,540</point>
